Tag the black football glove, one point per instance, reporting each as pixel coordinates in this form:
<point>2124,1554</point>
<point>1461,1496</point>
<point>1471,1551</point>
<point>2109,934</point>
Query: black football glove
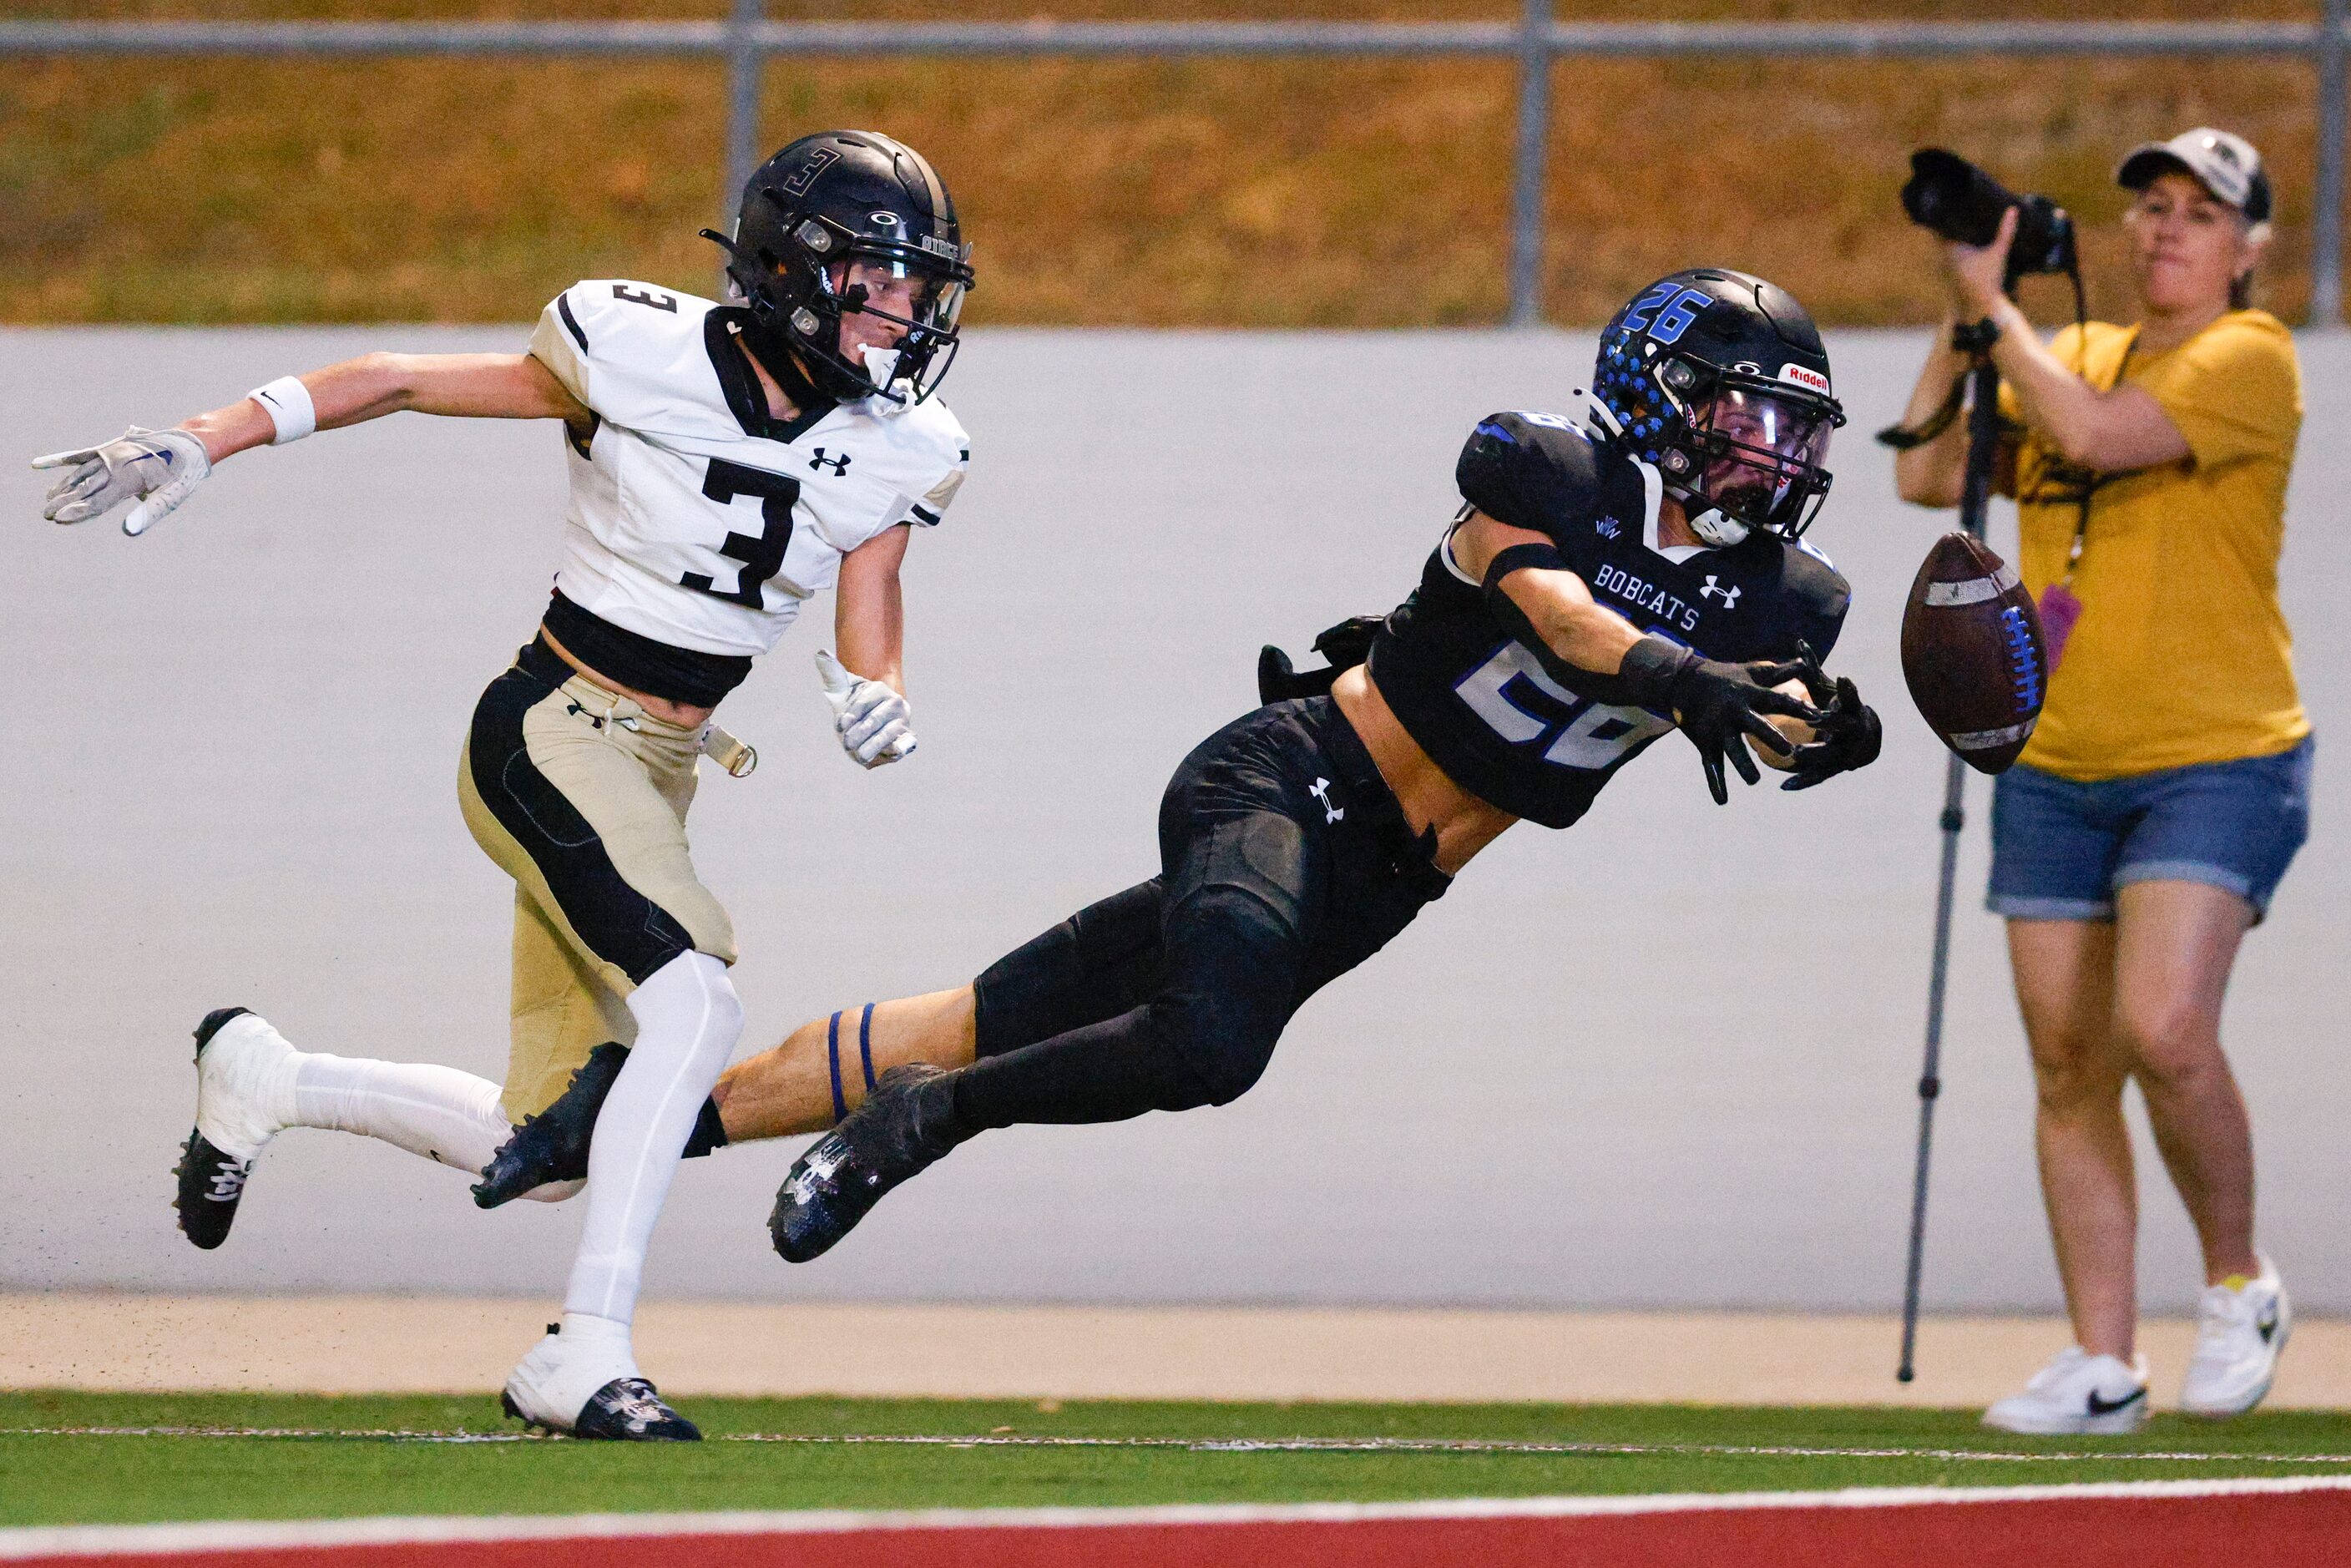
<point>1721,707</point>
<point>1845,737</point>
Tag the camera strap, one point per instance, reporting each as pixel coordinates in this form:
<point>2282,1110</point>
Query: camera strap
<point>1974,339</point>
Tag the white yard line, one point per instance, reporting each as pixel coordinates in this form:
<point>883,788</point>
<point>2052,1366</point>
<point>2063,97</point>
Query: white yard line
<point>103,1540</point>
<point>1243,1445</point>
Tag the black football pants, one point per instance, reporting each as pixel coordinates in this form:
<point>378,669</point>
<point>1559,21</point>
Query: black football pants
<point>1285,862</point>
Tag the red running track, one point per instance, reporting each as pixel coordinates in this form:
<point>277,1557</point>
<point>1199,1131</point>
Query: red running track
<point>2182,1525</point>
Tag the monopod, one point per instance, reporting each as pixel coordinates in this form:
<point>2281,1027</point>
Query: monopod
<point>1975,498</point>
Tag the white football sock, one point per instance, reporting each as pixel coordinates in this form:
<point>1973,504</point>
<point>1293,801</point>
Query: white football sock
<point>436,1111</point>
<point>688,1019</point>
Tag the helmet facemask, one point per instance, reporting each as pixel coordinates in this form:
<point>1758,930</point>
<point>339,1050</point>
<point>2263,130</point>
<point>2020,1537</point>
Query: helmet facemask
<point>830,274</point>
<point>1743,452</point>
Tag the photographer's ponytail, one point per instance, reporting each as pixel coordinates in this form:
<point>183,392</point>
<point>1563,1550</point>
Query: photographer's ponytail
<point>2241,287</point>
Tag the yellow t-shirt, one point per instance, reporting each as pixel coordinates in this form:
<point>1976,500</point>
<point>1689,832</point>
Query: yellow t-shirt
<point>2182,653</point>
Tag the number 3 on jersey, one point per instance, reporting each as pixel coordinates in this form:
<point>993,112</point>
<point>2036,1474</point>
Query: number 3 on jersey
<point>1525,706</point>
<point>762,554</point>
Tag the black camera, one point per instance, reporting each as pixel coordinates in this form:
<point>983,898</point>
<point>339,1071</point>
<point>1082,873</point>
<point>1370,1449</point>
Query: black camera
<point>1955,199</point>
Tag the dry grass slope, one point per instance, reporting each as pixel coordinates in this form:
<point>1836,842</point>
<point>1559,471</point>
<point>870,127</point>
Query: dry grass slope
<point>1280,194</point>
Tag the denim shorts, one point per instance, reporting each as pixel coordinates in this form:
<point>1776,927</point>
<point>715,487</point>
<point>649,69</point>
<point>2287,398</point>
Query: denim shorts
<point>2060,848</point>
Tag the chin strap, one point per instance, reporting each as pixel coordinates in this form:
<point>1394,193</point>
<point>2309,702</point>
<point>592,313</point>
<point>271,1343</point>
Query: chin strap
<point>776,357</point>
<point>774,349</point>
<point>1722,534</point>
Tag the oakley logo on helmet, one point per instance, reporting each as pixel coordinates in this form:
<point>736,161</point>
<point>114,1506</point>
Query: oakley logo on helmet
<point>883,220</point>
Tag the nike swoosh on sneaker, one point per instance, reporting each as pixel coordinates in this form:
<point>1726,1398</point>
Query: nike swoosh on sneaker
<point>2108,1406</point>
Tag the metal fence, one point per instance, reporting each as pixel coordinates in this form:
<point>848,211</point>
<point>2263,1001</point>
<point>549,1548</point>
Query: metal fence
<point>747,39</point>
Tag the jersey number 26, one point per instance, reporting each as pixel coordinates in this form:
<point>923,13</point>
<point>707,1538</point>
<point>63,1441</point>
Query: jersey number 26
<point>1525,706</point>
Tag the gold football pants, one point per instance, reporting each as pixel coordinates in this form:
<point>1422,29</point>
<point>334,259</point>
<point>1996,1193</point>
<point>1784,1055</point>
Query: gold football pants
<point>581,796</point>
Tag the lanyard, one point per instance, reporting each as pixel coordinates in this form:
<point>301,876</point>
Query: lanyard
<point>2082,518</point>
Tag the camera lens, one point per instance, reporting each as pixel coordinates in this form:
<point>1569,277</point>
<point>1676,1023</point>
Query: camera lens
<point>1951,197</point>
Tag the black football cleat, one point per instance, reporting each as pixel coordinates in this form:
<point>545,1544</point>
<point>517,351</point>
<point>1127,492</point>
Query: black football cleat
<point>626,1410</point>
<point>210,1180</point>
<point>906,1123</point>
<point>553,1145</point>
<point>211,1185</point>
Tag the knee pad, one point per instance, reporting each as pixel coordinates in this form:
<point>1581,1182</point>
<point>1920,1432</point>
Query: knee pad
<point>1233,962</point>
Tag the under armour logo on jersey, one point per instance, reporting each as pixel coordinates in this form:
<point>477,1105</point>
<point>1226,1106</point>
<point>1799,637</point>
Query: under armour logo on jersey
<point>1606,526</point>
<point>1730,596</point>
<point>839,465</point>
<point>1320,790</point>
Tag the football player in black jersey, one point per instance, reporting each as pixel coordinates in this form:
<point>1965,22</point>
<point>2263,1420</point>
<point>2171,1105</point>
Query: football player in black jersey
<point>1600,586</point>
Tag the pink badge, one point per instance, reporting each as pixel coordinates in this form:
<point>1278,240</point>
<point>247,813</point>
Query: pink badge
<point>2060,608</point>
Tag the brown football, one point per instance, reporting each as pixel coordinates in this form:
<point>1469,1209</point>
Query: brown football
<point>1973,654</point>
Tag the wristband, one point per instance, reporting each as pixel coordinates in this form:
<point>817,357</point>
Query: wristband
<point>291,413</point>
<point>1651,667</point>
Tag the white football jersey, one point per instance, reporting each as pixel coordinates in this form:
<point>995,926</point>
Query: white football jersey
<point>696,518</point>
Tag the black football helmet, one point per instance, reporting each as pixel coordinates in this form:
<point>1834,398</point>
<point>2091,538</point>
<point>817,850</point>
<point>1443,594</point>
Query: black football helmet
<point>1719,380</point>
<point>827,224</point>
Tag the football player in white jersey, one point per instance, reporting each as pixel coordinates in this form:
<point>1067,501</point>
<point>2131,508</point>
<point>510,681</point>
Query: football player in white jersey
<point>726,463</point>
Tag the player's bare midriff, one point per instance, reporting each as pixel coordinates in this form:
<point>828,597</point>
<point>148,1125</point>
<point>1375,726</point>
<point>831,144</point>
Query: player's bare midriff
<point>683,715</point>
<point>1464,823</point>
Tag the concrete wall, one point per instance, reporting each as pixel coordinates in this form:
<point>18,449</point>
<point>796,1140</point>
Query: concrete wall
<point>1665,1058</point>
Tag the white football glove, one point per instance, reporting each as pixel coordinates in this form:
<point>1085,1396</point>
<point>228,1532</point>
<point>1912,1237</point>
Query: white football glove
<point>156,468</point>
<point>873,720</point>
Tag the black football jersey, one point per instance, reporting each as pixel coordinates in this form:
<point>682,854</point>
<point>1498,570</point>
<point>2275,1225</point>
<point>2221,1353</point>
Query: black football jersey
<point>1479,702</point>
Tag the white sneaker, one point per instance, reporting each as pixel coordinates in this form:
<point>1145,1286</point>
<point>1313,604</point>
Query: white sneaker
<point>2238,1334</point>
<point>2077,1392</point>
<point>244,1096</point>
<point>586,1384</point>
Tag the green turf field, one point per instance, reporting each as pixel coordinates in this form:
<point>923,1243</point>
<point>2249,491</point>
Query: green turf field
<point>345,1460</point>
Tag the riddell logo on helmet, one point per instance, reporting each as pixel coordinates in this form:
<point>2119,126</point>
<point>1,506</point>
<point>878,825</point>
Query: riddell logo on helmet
<point>1809,379</point>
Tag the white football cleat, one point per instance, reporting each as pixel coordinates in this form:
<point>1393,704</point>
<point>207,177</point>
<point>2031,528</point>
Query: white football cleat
<point>2077,1394</point>
<point>586,1384</point>
<point>2239,1334</point>
<point>244,1096</point>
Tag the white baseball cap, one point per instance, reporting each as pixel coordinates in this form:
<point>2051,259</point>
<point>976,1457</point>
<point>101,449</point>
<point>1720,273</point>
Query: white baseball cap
<point>2224,162</point>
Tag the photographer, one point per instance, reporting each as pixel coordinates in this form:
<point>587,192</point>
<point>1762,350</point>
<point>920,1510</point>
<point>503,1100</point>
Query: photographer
<point>2166,787</point>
